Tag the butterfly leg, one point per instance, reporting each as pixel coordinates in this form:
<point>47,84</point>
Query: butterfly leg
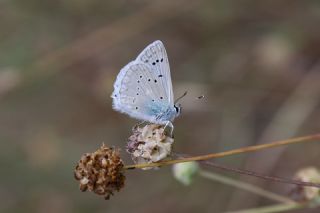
<point>170,125</point>
<point>137,125</point>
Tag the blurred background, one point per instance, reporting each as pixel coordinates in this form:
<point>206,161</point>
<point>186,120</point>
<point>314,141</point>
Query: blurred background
<point>256,62</point>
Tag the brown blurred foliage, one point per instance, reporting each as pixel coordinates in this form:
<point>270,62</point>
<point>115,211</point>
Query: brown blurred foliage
<point>256,62</point>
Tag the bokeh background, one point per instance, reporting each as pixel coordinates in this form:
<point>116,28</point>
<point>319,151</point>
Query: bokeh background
<point>256,62</point>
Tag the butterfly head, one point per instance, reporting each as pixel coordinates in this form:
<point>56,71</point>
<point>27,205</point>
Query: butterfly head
<point>177,106</point>
<point>178,109</point>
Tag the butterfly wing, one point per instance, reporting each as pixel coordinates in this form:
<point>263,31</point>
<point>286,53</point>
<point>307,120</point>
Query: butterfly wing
<point>143,88</point>
<point>137,92</point>
<point>156,57</point>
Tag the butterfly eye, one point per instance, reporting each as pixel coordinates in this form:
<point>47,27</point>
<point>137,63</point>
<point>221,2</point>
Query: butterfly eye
<point>177,109</point>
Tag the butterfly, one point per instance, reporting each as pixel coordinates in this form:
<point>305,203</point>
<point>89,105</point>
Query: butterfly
<point>143,88</point>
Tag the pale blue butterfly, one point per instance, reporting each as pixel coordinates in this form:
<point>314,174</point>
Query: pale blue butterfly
<point>143,88</point>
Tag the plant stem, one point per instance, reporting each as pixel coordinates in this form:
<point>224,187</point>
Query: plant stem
<point>304,139</point>
<point>273,208</point>
<point>257,175</point>
<point>245,186</point>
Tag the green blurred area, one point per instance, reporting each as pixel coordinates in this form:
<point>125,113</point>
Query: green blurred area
<point>256,62</point>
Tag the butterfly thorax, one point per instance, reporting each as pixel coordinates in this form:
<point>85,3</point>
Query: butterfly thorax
<point>162,114</point>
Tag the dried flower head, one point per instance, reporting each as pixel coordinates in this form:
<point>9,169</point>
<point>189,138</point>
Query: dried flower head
<point>149,144</point>
<point>100,172</point>
<point>308,174</point>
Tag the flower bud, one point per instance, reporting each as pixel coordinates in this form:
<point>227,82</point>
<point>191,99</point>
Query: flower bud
<point>185,172</point>
<point>309,174</point>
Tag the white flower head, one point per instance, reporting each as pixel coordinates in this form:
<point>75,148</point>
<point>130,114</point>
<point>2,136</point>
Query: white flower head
<point>149,144</point>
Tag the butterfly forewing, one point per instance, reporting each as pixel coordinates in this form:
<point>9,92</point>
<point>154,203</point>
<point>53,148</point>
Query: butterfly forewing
<point>155,56</point>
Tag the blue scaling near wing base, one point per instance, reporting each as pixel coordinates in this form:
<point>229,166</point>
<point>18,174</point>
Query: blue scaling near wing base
<point>161,111</point>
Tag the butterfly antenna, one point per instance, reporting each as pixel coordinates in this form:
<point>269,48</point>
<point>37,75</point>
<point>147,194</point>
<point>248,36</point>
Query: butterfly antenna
<point>200,97</point>
<point>184,94</point>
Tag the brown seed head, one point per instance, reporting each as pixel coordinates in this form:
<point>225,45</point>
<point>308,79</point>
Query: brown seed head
<point>100,172</point>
